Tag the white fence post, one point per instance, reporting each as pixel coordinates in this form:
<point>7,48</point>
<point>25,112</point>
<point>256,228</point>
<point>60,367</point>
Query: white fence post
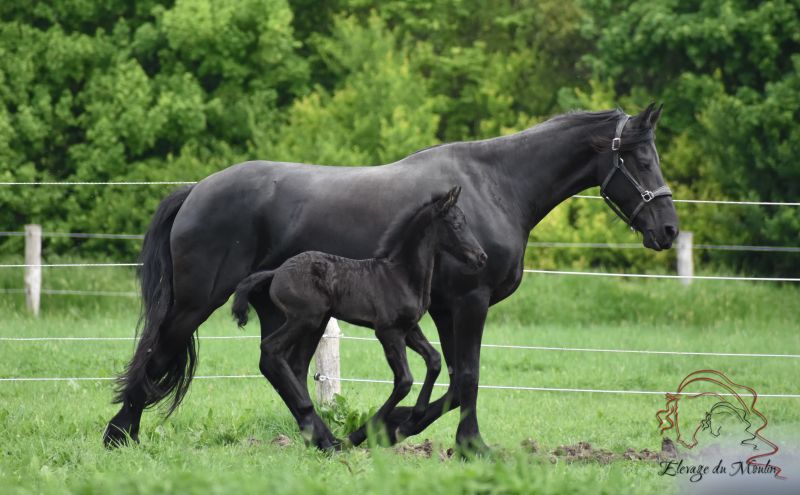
<point>33,274</point>
<point>327,363</point>
<point>685,259</point>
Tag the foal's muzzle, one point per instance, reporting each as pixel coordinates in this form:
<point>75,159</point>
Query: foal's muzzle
<point>477,260</point>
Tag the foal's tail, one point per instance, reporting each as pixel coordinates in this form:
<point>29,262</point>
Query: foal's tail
<point>243,290</point>
<point>155,275</point>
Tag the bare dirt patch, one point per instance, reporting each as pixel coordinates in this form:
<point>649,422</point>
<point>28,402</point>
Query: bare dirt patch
<point>424,449</point>
<point>584,452</point>
<point>281,441</point>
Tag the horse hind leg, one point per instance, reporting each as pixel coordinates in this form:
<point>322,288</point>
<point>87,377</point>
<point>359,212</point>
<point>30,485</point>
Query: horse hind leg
<point>274,364</point>
<point>160,368</point>
<point>299,354</point>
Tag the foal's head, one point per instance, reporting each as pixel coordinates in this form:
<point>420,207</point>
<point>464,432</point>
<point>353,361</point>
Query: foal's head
<point>452,232</point>
<point>439,222</point>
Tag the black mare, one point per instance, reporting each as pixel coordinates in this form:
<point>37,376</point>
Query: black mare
<point>206,238</point>
<point>389,293</point>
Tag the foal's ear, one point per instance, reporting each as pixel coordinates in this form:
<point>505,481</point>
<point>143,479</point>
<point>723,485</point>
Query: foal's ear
<point>447,201</point>
<point>451,198</point>
<point>452,195</point>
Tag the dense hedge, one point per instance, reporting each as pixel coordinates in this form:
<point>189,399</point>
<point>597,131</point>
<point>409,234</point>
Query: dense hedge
<point>159,90</point>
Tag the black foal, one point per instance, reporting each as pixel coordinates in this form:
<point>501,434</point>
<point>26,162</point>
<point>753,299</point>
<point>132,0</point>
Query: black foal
<point>389,293</point>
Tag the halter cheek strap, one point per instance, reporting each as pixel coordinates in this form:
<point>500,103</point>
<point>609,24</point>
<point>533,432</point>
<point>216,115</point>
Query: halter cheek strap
<point>618,165</point>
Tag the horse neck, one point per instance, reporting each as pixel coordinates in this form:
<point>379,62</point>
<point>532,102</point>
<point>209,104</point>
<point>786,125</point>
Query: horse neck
<point>416,257</point>
<point>539,168</point>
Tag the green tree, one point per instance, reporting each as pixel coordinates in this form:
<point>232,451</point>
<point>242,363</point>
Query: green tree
<point>379,112</point>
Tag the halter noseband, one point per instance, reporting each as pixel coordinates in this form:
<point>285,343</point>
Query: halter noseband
<point>619,166</point>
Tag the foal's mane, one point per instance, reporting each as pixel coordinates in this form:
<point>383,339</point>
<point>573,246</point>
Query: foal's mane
<point>404,227</point>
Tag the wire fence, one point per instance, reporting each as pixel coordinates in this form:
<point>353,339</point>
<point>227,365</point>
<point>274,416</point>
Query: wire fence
<point>177,183</point>
<point>77,235</point>
<point>527,270</point>
<point>483,346</point>
<point>632,245</point>
<point>71,292</point>
<point>544,244</point>
<point>582,245</point>
<point>712,201</point>
<point>319,377</point>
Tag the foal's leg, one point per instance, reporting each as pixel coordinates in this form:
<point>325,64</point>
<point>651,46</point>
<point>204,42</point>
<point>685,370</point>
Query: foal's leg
<point>394,346</point>
<point>400,419</point>
<point>300,354</point>
<point>416,340</point>
<point>275,367</point>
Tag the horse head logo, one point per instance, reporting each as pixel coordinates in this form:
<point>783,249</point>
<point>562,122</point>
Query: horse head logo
<point>708,401</point>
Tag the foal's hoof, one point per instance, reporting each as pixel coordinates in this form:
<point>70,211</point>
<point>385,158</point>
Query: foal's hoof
<point>357,437</point>
<point>118,436</point>
<point>330,446</point>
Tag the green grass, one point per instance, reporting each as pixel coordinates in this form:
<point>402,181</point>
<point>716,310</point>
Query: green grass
<point>219,440</point>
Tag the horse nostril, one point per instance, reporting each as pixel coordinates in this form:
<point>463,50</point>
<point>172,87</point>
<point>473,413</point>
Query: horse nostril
<point>671,231</point>
<point>482,258</point>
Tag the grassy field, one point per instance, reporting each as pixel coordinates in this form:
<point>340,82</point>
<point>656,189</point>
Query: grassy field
<point>220,438</point>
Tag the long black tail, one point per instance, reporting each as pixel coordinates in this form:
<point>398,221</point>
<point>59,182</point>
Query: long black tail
<point>155,276</point>
<point>243,290</point>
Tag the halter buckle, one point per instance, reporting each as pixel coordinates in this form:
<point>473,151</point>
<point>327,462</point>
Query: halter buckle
<point>648,196</point>
<point>616,143</point>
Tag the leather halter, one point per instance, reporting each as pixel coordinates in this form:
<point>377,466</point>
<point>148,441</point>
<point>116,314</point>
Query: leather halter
<point>619,166</point>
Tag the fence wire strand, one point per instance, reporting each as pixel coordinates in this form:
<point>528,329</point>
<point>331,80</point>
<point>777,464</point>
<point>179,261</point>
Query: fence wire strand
<point>484,346</point>
<point>713,201</point>
<point>320,377</point>
<point>663,276</point>
<point>545,244</point>
<point>176,183</point>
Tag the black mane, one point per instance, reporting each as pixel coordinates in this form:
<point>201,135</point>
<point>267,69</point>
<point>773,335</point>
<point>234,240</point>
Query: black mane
<point>404,227</point>
<point>605,122</point>
<point>633,135</point>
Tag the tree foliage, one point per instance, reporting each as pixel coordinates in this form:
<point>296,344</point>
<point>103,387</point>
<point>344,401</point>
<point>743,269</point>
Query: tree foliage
<point>96,90</point>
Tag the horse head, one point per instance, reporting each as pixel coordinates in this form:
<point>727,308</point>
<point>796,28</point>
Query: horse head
<point>629,171</point>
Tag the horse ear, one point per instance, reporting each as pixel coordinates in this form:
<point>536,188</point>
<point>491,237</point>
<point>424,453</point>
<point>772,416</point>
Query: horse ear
<point>454,193</point>
<point>440,205</point>
<point>444,203</point>
<point>655,116</point>
<point>643,119</point>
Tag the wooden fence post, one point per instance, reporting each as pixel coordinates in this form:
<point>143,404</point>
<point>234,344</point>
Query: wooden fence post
<point>685,259</point>
<point>33,274</point>
<point>327,363</point>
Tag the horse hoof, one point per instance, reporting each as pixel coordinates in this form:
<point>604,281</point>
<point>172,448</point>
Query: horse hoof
<point>117,436</point>
<point>357,437</point>
<point>330,446</point>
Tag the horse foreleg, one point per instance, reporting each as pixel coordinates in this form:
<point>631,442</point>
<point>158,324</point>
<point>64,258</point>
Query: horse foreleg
<point>469,318</point>
<point>400,419</point>
<point>402,416</point>
<point>416,340</point>
<point>394,347</point>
